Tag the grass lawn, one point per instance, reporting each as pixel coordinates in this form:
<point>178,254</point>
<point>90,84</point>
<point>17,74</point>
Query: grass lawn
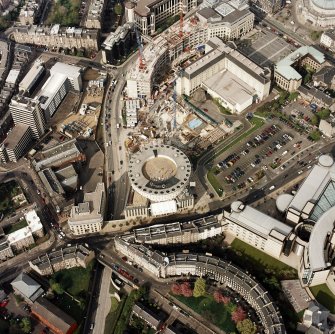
<point>75,280</point>
<point>324,296</point>
<point>214,182</point>
<point>14,227</point>
<point>114,304</point>
<point>258,256</point>
<point>210,310</point>
<point>113,316</point>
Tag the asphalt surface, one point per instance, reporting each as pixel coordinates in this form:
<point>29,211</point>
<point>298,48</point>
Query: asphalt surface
<point>115,153</point>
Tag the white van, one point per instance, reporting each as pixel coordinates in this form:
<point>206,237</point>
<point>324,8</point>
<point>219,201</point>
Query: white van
<point>285,152</point>
<point>272,187</point>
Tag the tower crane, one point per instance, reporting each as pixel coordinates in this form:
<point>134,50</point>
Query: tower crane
<point>142,65</point>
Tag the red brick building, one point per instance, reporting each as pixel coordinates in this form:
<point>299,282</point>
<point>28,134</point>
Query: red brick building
<point>51,316</point>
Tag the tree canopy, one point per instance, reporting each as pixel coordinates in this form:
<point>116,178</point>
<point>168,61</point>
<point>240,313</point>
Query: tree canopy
<point>246,327</point>
<point>199,287</point>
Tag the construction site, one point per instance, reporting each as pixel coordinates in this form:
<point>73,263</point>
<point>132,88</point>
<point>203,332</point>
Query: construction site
<point>163,114</point>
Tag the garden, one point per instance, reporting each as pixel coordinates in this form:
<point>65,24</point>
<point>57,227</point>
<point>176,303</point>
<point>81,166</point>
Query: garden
<point>70,287</point>
<point>217,306</point>
<point>8,191</point>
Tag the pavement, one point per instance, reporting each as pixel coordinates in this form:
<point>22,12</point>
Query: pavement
<point>116,171</point>
<point>104,303</point>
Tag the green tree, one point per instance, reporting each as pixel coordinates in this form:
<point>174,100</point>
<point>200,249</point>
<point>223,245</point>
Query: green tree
<point>315,135</point>
<point>118,9</point>
<point>56,287</point>
<point>315,120</point>
<point>246,327</point>
<point>199,287</point>
<point>25,325</point>
<point>324,113</point>
<point>293,96</point>
<point>315,35</point>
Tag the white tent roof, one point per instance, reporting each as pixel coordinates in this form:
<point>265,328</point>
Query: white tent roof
<point>163,208</point>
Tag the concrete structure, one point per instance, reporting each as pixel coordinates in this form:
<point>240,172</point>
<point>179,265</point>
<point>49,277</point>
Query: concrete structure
<point>63,78</point>
<point>148,15</point>
<point>178,233</point>
<point>229,20</point>
<point>327,39</point>
<point>27,287</point>
<point>314,204</point>
<point>32,78</point>
<point>166,265</point>
<point>320,13</point>
<point>227,75</point>
<point>64,258</point>
<point>59,155</point>
<point>94,14</point>
<point>51,316</point>
<point>287,77</point>
<point>118,44</point>
<point>57,37</point>
<point>315,318</point>
<point>256,229</point>
<point>132,106</point>
<point>140,82</point>
<point>268,6</point>
<point>16,144</point>
<point>159,172</point>
<point>28,112</point>
<point>230,90</point>
<point>87,217</point>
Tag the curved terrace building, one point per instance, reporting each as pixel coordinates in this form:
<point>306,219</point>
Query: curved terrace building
<point>178,264</point>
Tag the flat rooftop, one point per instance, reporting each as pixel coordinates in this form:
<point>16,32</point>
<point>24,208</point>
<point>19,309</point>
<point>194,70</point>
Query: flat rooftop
<point>33,73</point>
<point>14,137</point>
<point>230,87</point>
<point>65,69</point>
<point>255,220</point>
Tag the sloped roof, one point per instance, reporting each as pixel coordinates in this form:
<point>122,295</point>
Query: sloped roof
<point>27,286</point>
<point>59,319</point>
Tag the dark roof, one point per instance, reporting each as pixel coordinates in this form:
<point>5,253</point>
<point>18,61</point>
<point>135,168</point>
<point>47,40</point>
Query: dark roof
<point>147,315</point>
<point>52,314</point>
<point>208,65</point>
<point>325,75</point>
<point>316,94</point>
<point>236,15</point>
<point>208,12</point>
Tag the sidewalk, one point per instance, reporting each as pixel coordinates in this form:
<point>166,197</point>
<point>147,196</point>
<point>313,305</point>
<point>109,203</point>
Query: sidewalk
<point>104,303</point>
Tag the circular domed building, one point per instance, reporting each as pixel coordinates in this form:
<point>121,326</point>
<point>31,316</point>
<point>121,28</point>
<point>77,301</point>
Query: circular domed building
<point>159,172</point>
<point>320,13</point>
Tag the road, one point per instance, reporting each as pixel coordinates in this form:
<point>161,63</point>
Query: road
<point>160,290</point>
<point>115,153</point>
